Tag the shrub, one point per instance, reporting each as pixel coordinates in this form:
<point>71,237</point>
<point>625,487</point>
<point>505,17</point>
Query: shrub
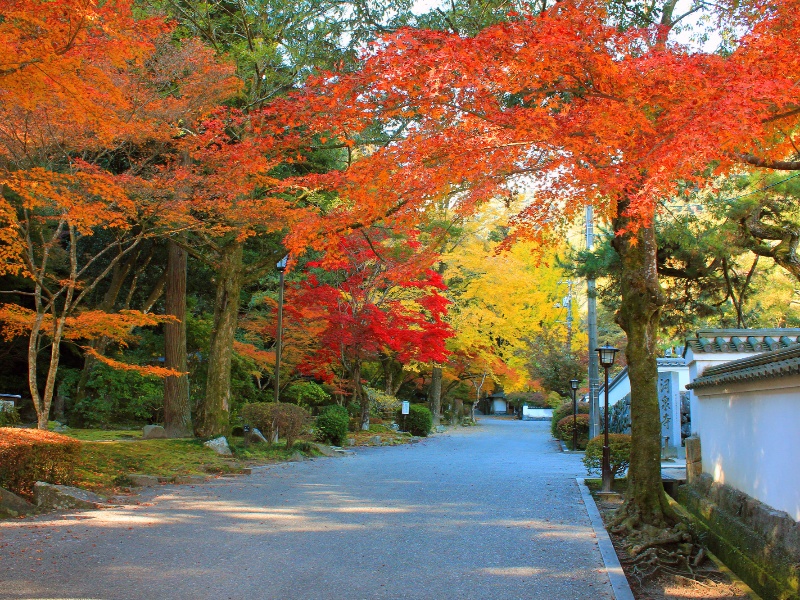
<point>307,393</point>
<point>619,445</point>
<point>565,410</point>
<point>286,419</point>
<point>332,424</point>
<point>554,400</point>
<point>291,420</point>
<point>261,415</point>
<point>565,430</point>
<point>31,455</point>
<point>418,421</point>
<point>9,416</point>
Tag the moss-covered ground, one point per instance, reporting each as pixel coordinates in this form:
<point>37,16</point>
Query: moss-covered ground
<point>107,457</point>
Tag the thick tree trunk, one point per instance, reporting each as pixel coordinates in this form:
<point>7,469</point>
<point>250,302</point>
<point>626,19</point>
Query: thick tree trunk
<point>177,409</point>
<point>211,417</point>
<point>642,298</point>
<point>436,394</point>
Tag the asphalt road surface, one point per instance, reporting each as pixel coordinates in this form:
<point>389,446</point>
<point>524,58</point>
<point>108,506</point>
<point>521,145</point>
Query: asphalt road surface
<point>488,512</point>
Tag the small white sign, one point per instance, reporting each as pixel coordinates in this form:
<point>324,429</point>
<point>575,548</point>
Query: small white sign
<point>405,409</point>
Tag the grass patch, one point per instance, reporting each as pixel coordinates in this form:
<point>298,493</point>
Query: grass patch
<point>104,465</point>
<point>104,435</point>
<point>617,485</point>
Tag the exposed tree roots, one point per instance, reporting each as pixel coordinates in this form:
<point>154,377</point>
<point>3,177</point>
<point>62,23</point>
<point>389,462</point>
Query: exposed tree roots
<point>665,548</point>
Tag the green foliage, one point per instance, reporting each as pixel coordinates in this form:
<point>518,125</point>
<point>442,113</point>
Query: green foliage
<point>564,430</point>
<point>332,424</point>
<point>306,393</point>
<point>418,421</point>
<point>31,455</point>
<point>114,396</point>
<point>566,410</point>
<point>619,445</point>
<point>381,404</point>
<point>9,417</point>
<point>554,400</point>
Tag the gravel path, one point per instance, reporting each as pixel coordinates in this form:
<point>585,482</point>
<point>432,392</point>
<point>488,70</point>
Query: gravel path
<point>488,512</point>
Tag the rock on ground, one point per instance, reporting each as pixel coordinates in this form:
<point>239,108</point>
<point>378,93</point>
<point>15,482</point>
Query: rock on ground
<point>64,497</point>
<point>12,505</point>
<point>154,432</point>
<point>220,446</point>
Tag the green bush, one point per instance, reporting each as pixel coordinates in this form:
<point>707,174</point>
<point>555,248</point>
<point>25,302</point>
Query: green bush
<point>619,445</point>
<point>31,455</point>
<point>332,424</point>
<point>9,417</point>
<point>554,400</point>
<point>115,396</point>
<point>307,394</point>
<point>418,421</point>
<point>565,431</point>
<point>565,410</point>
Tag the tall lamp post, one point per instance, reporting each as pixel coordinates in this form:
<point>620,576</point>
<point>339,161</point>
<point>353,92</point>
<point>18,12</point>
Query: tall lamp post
<point>281,266</point>
<point>606,354</point>
<point>573,383</point>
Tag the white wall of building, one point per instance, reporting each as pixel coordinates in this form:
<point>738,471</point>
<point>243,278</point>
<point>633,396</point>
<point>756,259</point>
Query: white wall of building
<point>697,363</point>
<point>750,438</point>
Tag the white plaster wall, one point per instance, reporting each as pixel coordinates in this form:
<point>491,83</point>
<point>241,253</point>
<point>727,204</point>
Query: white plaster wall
<point>499,406</point>
<point>697,363</point>
<point>750,439</point>
<point>537,413</point>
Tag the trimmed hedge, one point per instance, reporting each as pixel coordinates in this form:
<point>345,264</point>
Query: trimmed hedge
<point>619,445</point>
<point>565,430</point>
<point>418,421</point>
<point>332,424</point>
<point>31,455</point>
<point>565,410</point>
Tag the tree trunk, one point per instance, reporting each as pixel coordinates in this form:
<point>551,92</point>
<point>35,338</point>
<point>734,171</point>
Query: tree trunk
<point>642,298</point>
<point>211,417</point>
<point>177,409</point>
<point>359,396</point>
<point>436,393</point>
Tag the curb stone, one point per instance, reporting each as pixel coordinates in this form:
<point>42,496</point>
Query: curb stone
<point>619,583</point>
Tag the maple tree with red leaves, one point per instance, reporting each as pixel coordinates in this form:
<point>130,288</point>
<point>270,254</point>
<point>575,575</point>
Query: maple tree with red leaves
<point>580,111</point>
<point>377,299</point>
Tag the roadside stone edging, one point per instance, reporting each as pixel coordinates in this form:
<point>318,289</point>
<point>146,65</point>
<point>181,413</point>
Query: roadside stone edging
<point>619,583</point>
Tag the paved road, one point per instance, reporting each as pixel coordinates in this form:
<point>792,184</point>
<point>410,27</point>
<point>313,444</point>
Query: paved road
<point>489,512</point>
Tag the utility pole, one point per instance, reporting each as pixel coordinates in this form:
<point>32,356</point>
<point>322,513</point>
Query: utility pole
<point>594,377</point>
<point>567,304</point>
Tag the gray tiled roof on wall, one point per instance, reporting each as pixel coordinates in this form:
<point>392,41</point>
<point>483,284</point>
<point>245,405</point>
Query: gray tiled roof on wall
<point>709,341</point>
<point>777,363</point>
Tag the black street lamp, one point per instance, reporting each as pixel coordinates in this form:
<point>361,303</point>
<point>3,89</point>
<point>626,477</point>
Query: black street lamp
<point>573,383</point>
<point>607,354</point>
<point>281,266</point>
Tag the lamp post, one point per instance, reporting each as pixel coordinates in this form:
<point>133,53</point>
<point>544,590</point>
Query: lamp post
<point>606,354</point>
<point>281,266</point>
<point>573,383</point>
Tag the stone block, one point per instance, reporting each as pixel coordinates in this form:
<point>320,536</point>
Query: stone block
<point>139,480</point>
<point>693,450</point>
<point>12,505</point>
<point>220,446</point>
<point>64,497</point>
<point>154,432</point>
<point>351,441</point>
<point>324,450</point>
<point>693,471</point>
<point>375,440</point>
<point>256,437</point>
<point>296,457</point>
